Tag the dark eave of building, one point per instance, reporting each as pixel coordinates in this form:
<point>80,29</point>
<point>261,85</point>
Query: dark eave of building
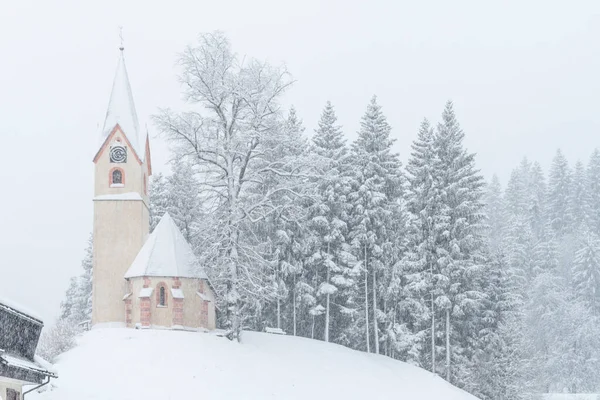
<point>27,375</point>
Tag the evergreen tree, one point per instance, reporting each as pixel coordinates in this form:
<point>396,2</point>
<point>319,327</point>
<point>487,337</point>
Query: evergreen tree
<point>420,267</point>
<point>526,195</point>
<point>288,236</point>
<point>537,200</point>
<point>180,198</point>
<point>579,198</point>
<point>328,220</point>
<point>66,306</point>
<point>460,245</point>
<point>377,186</point>
<point>518,190</point>
<point>77,305</point>
<point>560,339</point>
<point>495,211</point>
<point>82,309</point>
<point>496,369</point>
<point>593,192</point>
<point>587,271</point>
<point>159,199</point>
<point>559,192</point>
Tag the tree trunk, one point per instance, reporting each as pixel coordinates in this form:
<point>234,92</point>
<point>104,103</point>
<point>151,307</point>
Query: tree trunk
<point>233,295</point>
<point>294,304</point>
<point>386,343</point>
<point>432,334</point>
<point>367,301</point>
<point>448,345</point>
<point>393,347</point>
<point>233,314</point>
<point>278,278</point>
<point>278,313</point>
<point>375,327</point>
<point>312,329</point>
<point>432,323</point>
<point>327,299</point>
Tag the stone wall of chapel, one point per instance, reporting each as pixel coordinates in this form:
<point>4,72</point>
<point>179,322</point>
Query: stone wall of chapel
<point>164,316</point>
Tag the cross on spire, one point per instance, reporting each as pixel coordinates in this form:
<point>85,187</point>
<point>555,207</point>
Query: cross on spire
<point>121,37</point>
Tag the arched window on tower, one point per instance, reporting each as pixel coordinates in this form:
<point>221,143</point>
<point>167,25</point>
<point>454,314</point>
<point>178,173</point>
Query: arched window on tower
<point>117,177</point>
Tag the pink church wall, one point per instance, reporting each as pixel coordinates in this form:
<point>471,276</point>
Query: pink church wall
<point>191,311</point>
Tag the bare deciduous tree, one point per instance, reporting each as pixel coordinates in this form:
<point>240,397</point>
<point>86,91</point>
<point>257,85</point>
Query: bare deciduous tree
<point>231,140</point>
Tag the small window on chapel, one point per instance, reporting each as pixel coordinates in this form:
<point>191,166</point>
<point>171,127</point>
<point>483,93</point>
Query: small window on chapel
<point>162,301</point>
<point>12,394</point>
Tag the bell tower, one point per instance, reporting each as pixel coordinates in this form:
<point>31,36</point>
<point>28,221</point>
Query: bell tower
<point>121,217</point>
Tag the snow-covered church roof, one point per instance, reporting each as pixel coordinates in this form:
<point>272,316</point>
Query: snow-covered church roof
<point>121,110</point>
<point>166,253</point>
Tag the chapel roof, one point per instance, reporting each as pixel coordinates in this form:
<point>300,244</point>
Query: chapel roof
<point>166,253</point>
<point>121,111</point>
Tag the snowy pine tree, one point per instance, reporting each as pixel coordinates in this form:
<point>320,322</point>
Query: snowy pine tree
<point>159,199</point>
<point>586,274</point>
<point>328,221</point>
<point>578,201</point>
<point>593,192</point>
<point>559,192</point>
<point>77,305</point>
<point>496,361</point>
<point>495,210</point>
<point>460,246</point>
<point>377,186</point>
<point>420,270</point>
<point>182,196</point>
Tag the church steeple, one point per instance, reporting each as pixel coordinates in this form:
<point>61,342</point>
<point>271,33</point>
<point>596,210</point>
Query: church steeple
<point>121,215</point>
<point>121,110</point>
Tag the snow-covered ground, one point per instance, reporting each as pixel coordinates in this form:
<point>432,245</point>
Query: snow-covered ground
<point>560,396</point>
<point>128,364</point>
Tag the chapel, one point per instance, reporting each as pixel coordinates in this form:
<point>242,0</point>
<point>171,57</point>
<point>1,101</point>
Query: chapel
<point>140,279</point>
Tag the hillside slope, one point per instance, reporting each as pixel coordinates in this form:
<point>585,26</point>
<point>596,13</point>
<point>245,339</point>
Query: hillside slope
<point>127,364</point>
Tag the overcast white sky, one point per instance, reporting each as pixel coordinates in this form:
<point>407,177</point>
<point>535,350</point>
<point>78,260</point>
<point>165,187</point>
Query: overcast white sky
<point>524,76</point>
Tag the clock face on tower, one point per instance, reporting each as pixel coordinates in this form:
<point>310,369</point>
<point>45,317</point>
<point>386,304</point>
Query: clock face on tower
<point>118,154</point>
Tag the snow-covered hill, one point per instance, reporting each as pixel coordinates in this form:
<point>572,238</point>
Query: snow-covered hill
<point>128,364</point>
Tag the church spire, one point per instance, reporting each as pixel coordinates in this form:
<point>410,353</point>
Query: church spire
<point>121,109</point>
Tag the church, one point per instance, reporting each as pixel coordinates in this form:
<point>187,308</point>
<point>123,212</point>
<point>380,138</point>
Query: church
<point>140,279</point>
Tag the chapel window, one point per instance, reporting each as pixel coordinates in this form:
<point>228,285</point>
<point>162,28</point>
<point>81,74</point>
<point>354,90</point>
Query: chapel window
<point>12,394</point>
<point>162,299</point>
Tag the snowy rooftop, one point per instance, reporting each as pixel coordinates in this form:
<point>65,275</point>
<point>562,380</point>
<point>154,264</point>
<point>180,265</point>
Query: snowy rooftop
<point>21,310</point>
<point>38,365</point>
<point>121,110</point>
<point>166,253</point>
<point>203,365</point>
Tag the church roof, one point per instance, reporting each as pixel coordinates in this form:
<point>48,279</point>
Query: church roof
<point>121,110</point>
<point>166,253</point>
